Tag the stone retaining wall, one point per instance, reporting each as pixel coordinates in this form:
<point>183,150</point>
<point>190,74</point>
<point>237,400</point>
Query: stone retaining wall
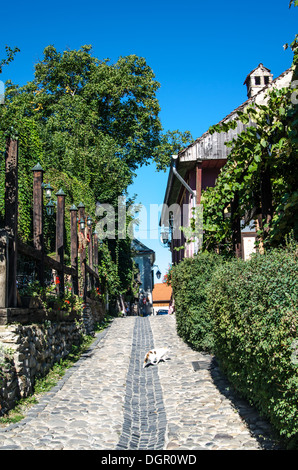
<point>29,351</point>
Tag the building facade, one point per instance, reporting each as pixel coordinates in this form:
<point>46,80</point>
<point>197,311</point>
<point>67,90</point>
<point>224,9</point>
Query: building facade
<point>161,296</point>
<point>144,259</point>
<point>197,166</point>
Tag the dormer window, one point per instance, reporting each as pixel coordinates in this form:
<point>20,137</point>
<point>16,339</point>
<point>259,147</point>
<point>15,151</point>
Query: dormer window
<point>257,79</point>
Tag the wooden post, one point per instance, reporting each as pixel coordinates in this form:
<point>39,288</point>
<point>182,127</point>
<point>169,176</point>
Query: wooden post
<point>4,242</point>
<point>90,247</point>
<point>198,182</point>
<point>11,218</point>
<point>95,256</point>
<point>90,256</point>
<point>82,249</point>
<point>60,237</point>
<point>38,218</point>
<point>95,251</point>
<point>74,247</point>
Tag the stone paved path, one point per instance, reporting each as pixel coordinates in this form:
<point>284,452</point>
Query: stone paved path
<point>107,401</point>
<point>144,424</point>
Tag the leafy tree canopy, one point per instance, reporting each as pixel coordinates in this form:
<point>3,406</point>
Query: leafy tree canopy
<point>90,124</point>
<point>98,121</point>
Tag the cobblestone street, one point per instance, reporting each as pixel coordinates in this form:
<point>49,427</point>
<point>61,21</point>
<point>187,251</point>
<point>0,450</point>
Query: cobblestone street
<point>108,401</point>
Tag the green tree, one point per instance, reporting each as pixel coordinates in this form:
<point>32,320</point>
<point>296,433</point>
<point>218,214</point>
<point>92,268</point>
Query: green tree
<point>98,121</point>
<point>10,53</point>
<point>90,124</point>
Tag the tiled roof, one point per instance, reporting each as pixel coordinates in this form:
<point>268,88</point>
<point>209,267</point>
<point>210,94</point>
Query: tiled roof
<point>161,292</point>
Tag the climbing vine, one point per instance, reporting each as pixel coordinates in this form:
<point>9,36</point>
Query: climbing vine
<point>260,172</point>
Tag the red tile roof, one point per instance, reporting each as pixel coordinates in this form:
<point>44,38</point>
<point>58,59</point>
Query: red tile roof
<point>161,293</point>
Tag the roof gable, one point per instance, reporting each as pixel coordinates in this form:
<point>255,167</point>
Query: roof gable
<point>259,67</point>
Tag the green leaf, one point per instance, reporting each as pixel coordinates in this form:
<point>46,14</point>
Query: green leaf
<point>264,142</point>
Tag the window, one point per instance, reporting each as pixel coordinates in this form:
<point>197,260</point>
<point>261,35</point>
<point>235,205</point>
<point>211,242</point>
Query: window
<point>258,80</point>
<point>266,80</point>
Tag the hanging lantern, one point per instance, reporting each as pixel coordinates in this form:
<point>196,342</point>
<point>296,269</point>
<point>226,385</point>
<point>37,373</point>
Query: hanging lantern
<point>82,224</point>
<point>164,236</point>
<point>50,208</point>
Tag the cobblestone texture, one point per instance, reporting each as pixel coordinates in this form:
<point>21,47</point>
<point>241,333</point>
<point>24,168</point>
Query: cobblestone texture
<point>107,401</point>
<point>144,416</point>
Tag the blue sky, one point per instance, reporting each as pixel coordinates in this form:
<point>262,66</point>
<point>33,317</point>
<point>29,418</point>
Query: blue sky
<point>199,51</point>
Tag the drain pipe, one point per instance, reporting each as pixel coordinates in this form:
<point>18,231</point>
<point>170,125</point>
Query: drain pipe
<point>174,157</point>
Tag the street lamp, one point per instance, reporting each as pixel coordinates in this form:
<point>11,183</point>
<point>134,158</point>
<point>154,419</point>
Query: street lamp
<point>48,190</point>
<point>164,236</point>
<point>158,273</point>
<point>82,224</point>
<point>48,193</point>
<point>85,221</point>
<point>50,208</point>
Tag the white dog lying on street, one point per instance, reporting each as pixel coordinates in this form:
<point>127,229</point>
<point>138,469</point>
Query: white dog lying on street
<point>154,356</point>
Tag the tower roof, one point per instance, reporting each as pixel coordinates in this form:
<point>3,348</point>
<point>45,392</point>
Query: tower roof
<point>261,67</point>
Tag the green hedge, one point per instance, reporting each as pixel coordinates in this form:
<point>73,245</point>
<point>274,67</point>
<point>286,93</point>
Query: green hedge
<point>246,313</point>
<point>253,305</point>
<point>190,280</point>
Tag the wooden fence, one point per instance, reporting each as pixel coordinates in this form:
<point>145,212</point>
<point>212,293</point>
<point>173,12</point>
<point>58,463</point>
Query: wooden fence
<point>83,275</point>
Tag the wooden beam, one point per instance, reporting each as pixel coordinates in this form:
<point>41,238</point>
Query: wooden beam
<point>95,251</point>
<point>60,236</point>
<point>74,247</point>
<point>3,269</point>
<point>11,217</point>
<point>198,182</point>
<point>38,218</point>
<point>91,271</point>
<point>82,251</point>
<point>31,252</point>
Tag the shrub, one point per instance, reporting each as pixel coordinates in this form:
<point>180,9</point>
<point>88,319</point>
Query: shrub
<point>253,305</point>
<point>190,280</point>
